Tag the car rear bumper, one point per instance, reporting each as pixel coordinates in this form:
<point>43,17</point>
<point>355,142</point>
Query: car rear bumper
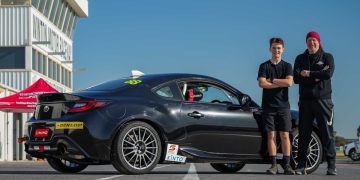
<point>90,142</point>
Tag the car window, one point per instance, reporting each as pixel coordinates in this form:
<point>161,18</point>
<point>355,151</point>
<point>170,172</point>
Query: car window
<point>234,99</point>
<point>203,92</point>
<point>213,94</point>
<point>165,92</point>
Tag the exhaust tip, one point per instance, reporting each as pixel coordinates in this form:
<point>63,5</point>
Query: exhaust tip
<point>62,149</point>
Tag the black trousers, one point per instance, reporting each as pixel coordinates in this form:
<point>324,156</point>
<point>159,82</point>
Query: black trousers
<point>322,111</point>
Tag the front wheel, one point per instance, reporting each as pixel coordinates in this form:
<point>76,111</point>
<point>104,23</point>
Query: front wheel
<point>65,166</point>
<point>353,155</point>
<point>227,167</point>
<point>314,152</point>
<point>137,148</point>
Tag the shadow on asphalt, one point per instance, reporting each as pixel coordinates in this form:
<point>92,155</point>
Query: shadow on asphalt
<point>116,173</point>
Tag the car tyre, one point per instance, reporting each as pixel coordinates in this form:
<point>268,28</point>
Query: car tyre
<point>136,149</point>
<point>314,155</point>
<point>353,155</point>
<point>227,167</point>
<point>65,166</point>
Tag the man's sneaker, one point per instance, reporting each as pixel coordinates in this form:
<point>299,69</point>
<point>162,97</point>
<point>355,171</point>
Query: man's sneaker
<point>272,170</point>
<point>300,171</point>
<point>331,172</point>
<point>288,170</point>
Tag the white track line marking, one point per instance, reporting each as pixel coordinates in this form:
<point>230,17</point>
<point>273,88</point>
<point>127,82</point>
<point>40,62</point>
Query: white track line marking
<point>191,175</point>
<point>116,176</point>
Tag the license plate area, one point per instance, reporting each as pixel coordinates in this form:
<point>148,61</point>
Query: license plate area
<point>48,111</point>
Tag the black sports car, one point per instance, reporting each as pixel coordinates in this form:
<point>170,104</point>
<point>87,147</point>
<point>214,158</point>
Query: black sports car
<point>136,123</point>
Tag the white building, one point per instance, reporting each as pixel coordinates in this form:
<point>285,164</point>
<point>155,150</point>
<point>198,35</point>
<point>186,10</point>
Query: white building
<point>35,41</point>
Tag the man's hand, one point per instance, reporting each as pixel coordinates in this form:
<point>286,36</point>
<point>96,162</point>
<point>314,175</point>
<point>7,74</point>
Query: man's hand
<point>305,73</point>
<point>326,67</point>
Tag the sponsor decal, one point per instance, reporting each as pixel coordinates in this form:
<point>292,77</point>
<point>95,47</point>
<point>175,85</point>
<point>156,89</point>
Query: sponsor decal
<point>175,158</point>
<point>320,63</point>
<point>171,154</point>
<point>69,125</point>
<point>133,82</point>
<point>172,149</point>
<point>41,133</point>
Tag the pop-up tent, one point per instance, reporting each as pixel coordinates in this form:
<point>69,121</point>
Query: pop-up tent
<point>25,100</point>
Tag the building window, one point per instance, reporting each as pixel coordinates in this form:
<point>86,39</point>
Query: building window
<point>33,64</point>
<point>70,83</point>
<point>74,27</point>
<point>47,7</point>
<point>61,19</point>
<point>57,72</point>
<point>71,21</point>
<point>44,65</point>
<point>39,63</point>
<point>49,73</point>
<point>41,5</point>
<point>48,67</point>
<point>35,3</point>
<point>66,21</point>
<point>53,10</point>
<point>54,71</point>
<point>58,12</point>
<point>12,58</point>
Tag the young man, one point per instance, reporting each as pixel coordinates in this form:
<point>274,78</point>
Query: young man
<point>275,77</point>
<point>313,71</point>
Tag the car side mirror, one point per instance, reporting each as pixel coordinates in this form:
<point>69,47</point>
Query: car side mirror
<point>244,101</point>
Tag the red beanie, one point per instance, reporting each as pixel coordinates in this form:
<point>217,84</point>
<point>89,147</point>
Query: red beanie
<point>315,35</point>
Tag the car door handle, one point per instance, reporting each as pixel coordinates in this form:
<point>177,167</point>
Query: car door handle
<point>195,114</point>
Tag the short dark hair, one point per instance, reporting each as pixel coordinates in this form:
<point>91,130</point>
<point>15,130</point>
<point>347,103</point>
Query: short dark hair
<point>277,40</point>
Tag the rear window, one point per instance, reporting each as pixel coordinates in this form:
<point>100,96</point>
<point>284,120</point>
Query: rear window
<point>165,92</point>
<point>114,84</point>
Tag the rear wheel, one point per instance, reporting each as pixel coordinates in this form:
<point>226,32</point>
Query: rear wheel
<point>65,166</point>
<point>353,155</point>
<point>314,152</point>
<point>227,167</point>
<point>137,148</point>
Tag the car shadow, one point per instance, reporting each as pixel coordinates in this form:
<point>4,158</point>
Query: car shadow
<point>116,173</point>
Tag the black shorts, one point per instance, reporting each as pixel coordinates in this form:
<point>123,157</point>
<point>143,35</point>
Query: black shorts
<point>277,120</point>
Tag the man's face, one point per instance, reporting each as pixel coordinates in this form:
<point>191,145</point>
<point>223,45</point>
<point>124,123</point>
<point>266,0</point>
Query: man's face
<point>276,50</point>
<point>313,45</point>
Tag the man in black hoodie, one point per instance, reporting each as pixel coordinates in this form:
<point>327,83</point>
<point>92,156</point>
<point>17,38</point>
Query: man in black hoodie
<point>313,71</point>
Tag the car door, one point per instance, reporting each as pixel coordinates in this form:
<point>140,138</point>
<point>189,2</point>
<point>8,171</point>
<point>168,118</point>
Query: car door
<point>213,124</point>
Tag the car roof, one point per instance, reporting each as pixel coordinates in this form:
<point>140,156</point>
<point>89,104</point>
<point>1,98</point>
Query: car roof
<point>152,80</point>
<point>161,78</point>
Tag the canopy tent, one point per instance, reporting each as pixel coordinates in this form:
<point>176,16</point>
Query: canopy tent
<point>25,100</point>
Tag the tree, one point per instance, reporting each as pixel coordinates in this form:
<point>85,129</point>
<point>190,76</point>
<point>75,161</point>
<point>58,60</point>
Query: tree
<point>358,132</point>
<point>340,141</point>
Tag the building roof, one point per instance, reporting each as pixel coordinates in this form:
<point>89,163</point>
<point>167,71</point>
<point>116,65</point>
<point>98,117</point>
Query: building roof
<point>81,7</point>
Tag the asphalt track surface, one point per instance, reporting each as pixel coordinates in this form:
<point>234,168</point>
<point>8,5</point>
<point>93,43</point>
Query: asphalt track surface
<point>26,170</point>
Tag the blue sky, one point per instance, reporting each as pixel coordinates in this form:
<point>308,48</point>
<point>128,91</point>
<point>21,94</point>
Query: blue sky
<point>226,39</point>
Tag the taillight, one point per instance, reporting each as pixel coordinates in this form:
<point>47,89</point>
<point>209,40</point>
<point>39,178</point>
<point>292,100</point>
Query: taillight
<point>86,105</point>
<point>40,133</point>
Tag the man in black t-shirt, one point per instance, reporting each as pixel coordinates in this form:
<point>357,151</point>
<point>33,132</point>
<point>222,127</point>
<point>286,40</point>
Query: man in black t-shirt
<point>275,76</point>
